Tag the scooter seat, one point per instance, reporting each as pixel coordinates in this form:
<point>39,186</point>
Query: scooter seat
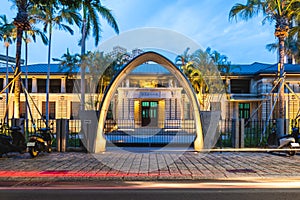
<point>286,136</point>
<point>44,129</point>
<point>5,139</point>
<point>15,128</point>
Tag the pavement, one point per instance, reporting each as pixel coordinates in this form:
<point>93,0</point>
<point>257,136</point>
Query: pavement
<point>143,164</point>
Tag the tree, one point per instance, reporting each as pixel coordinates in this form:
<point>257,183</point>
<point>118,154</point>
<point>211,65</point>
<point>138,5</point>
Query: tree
<point>223,64</point>
<point>292,49</point>
<point>21,23</point>
<point>69,62</point>
<point>29,36</point>
<point>6,34</point>
<point>53,15</point>
<point>184,58</point>
<point>202,71</point>
<point>90,22</point>
<point>192,65</point>
<point>6,31</point>
<point>283,13</point>
<point>101,69</point>
<point>292,43</point>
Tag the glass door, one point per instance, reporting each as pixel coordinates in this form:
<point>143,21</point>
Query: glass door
<point>149,113</point>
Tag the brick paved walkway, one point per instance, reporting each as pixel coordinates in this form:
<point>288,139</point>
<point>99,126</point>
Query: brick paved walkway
<point>124,165</point>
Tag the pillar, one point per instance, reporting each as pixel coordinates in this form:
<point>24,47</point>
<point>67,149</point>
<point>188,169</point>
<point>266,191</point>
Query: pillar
<point>63,85</point>
<point>34,84</point>
<point>235,125</point>
<point>62,131</point>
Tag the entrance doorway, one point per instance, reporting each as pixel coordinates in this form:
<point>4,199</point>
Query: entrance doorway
<point>149,113</point>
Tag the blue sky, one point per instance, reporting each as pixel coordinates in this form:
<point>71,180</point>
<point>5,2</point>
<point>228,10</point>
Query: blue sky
<point>204,21</point>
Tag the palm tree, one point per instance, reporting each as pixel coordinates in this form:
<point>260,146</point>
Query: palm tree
<point>53,15</point>
<point>69,62</point>
<point>6,34</point>
<point>30,35</point>
<point>292,49</point>
<point>196,78</point>
<point>223,64</point>
<point>283,13</point>
<point>193,67</point>
<point>90,22</point>
<point>184,58</point>
<point>292,43</point>
<point>21,23</point>
<point>101,69</point>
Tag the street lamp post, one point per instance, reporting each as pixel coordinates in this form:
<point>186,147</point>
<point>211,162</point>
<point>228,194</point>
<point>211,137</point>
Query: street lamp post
<point>6,80</point>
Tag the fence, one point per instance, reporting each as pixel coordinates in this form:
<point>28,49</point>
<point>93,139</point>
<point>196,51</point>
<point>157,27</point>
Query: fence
<point>225,130</point>
<point>233,133</point>
<point>168,132</point>
<point>252,133</point>
<point>72,133</point>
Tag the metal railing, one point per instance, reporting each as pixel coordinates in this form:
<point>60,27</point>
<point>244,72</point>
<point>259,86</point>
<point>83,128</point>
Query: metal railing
<point>169,132</point>
<point>74,137</point>
<point>225,131</point>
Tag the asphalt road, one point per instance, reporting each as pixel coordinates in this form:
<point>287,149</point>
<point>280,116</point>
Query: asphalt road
<point>207,190</point>
<point>150,194</point>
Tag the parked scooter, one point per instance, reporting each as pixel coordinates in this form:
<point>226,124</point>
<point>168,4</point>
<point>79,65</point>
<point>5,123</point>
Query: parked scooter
<point>13,142</point>
<point>41,141</point>
<point>290,142</point>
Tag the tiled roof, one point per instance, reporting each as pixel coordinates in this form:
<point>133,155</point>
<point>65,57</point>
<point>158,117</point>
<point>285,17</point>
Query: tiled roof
<point>248,69</point>
<point>288,68</point>
<point>258,68</point>
<point>41,69</point>
<point>150,69</point>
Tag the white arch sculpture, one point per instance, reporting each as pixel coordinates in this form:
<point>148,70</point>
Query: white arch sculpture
<point>100,141</point>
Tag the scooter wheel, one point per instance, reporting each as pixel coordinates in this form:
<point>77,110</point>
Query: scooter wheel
<point>49,150</point>
<point>291,153</point>
<point>33,152</point>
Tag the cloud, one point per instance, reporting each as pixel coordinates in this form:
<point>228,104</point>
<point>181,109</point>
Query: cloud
<point>204,21</point>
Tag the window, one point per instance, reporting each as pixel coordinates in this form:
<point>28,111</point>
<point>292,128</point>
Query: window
<point>29,89</point>
<point>187,110</point>
<point>244,110</point>
<point>41,85</point>
<point>9,80</point>
<point>75,107</point>
<point>73,85</point>
<point>51,109</point>
<point>173,107</point>
<point>240,86</point>
<point>55,85</point>
<point>1,83</point>
<point>22,109</point>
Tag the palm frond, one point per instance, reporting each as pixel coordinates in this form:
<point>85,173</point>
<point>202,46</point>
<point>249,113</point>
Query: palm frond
<point>66,28</point>
<point>107,15</point>
<point>272,47</point>
<point>91,11</point>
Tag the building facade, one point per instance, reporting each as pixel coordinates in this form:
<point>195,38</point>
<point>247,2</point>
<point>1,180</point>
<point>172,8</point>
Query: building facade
<point>151,96</point>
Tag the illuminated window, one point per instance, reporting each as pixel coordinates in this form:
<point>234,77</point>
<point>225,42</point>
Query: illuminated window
<point>22,109</point>
<point>51,109</point>
<point>75,107</point>
<point>244,110</point>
